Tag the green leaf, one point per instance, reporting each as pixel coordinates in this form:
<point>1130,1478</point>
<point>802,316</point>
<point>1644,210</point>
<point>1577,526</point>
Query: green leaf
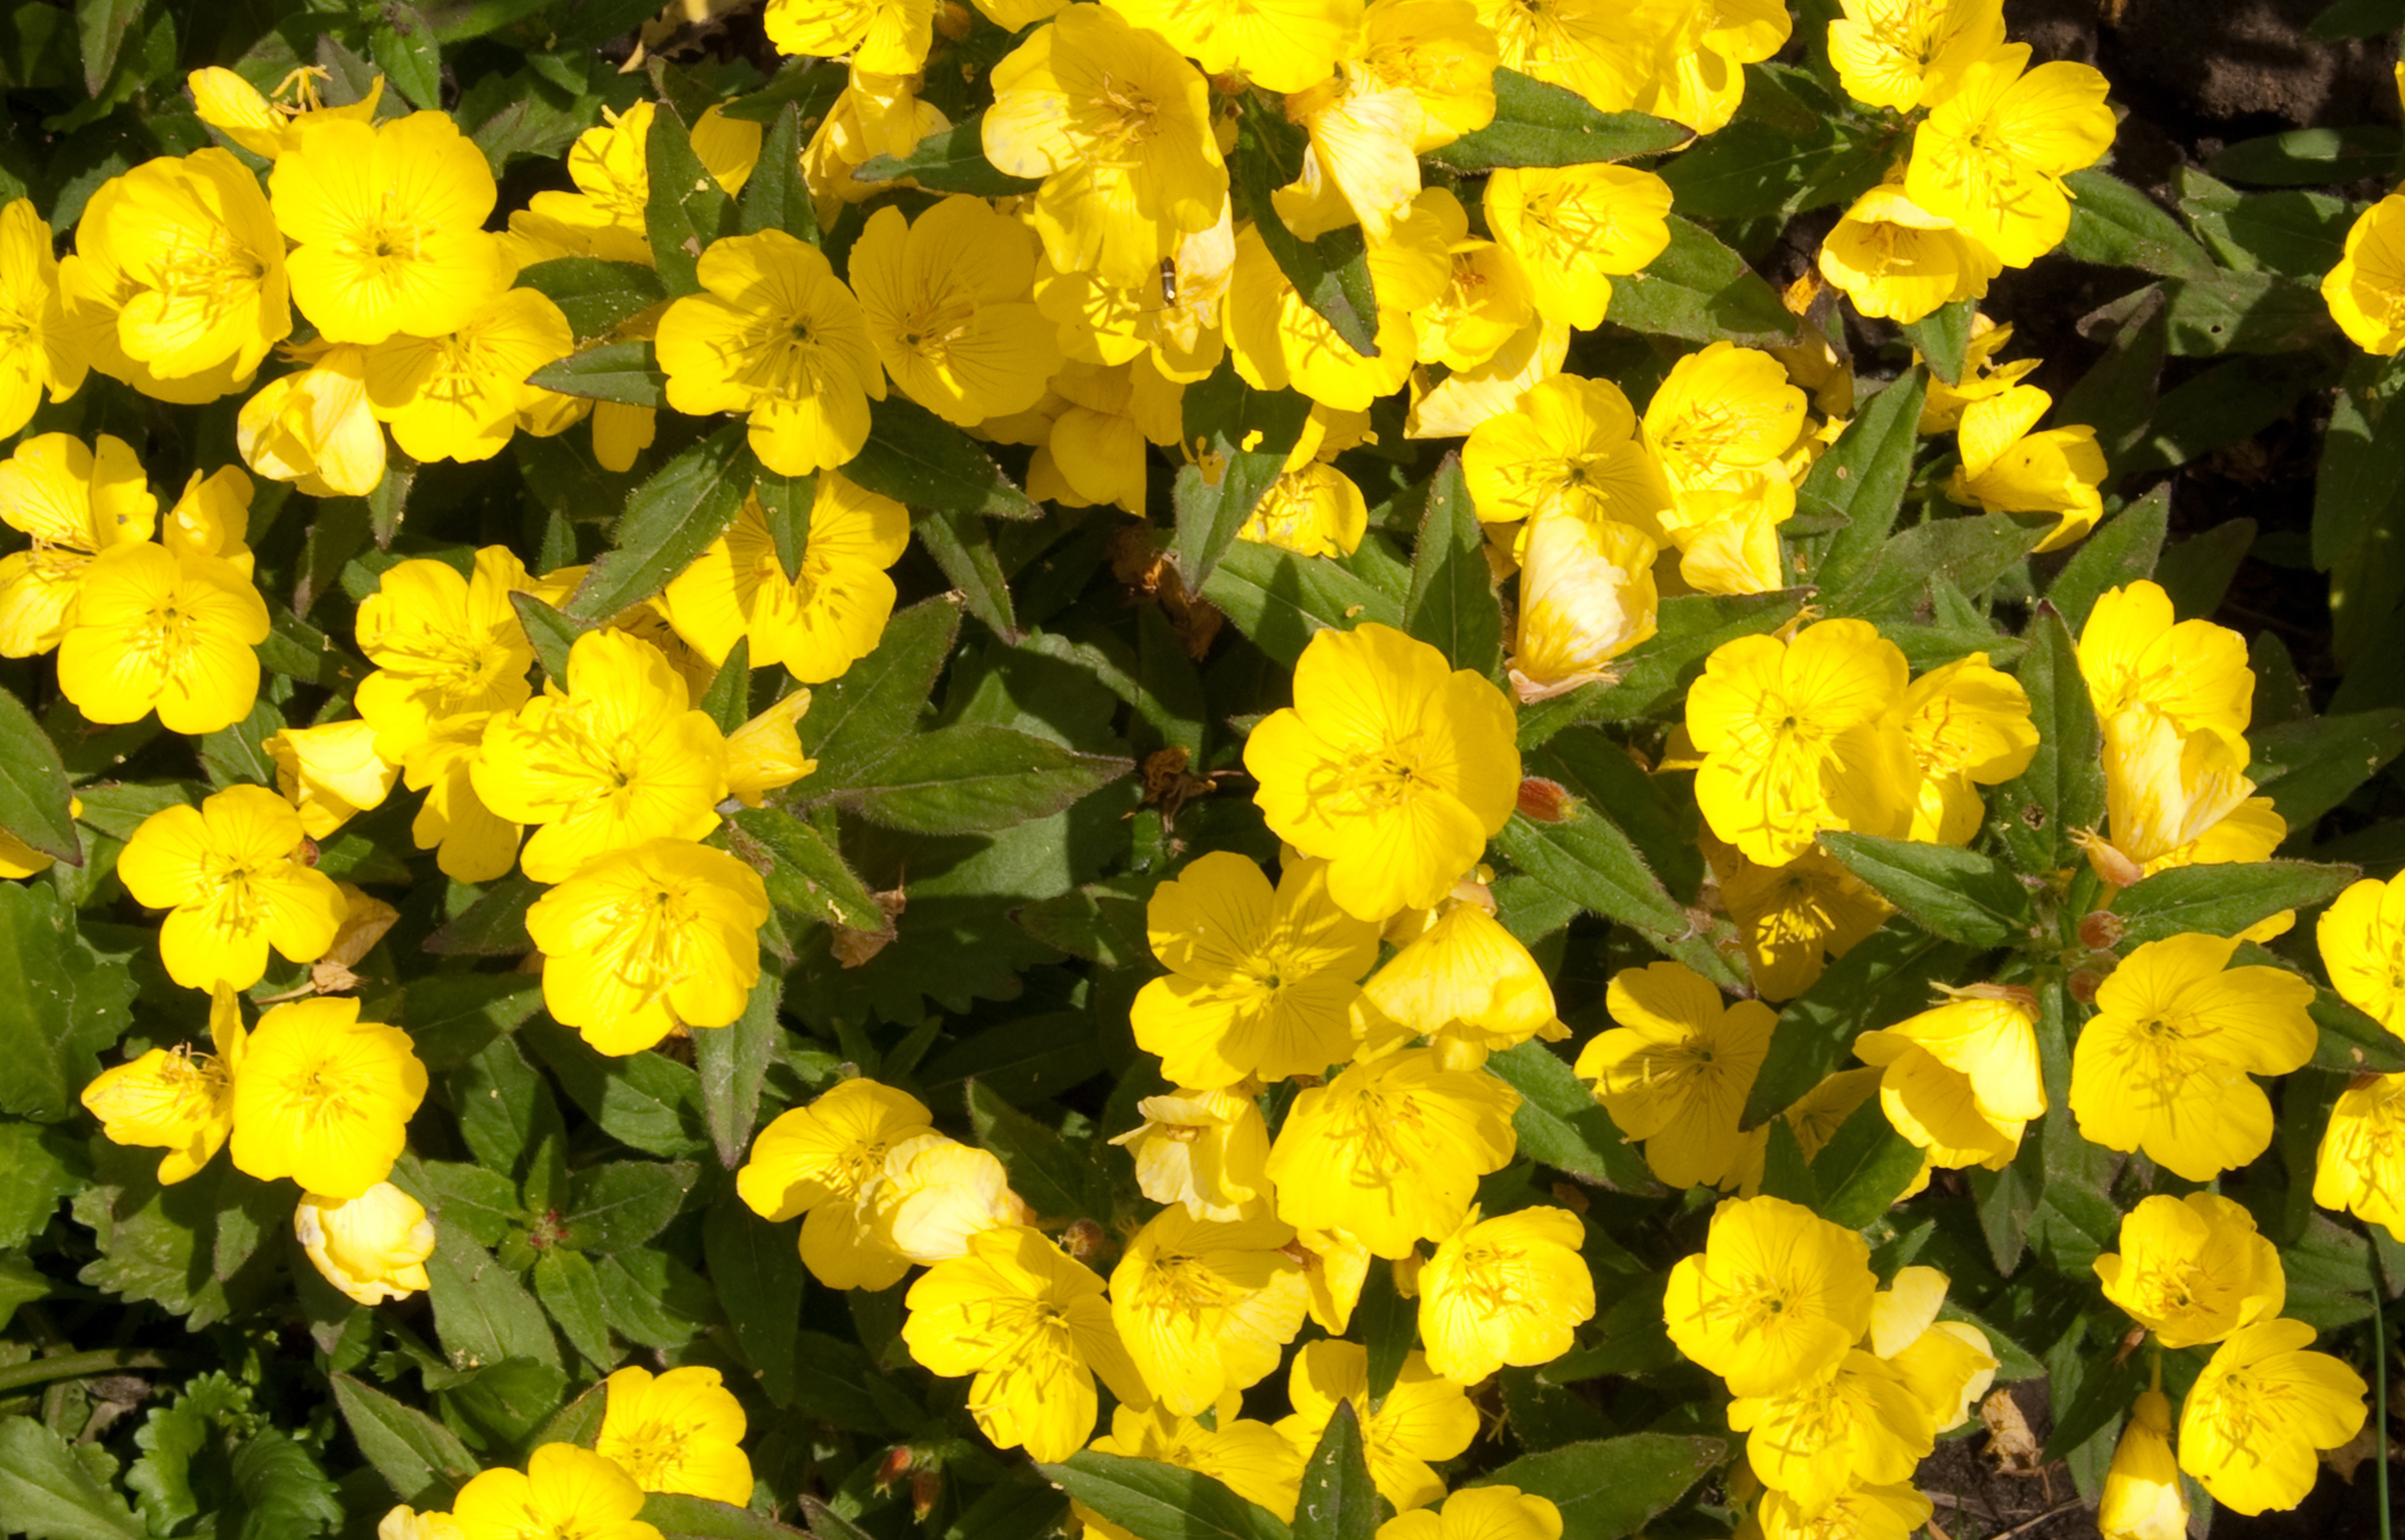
<point>39,1167</point>
<point>48,1493</point>
<point>670,520</point>
<point>681,1517</point>
<point>1942,339</point>
<point>758,1272</point>
<point>1337,1500</point>
<point>570,1292</point>
<point>2246,312</point>
<point>280,1492</point>
<point>1453,605</point>
<point>2311,157</point>
<point>855,720</point>
<point>33,793</point>
<point>483,1201</point>
<point>2115,225</point>
<point>1701,291</point>
<point>920,460</point>
<point>1883,980</point>
<point>404,47</point>
<point>1970,552</point>
<point>505,1401</point>
<point>189,1247</point>
<point>1610,1488</point>
<point>728,701</point>
<point>1331,274</point>
<point>2363,458</point>
<point>1251,433</point>
<point>2352,1042</point>
<point>1559,1123</point>
<point>596,296</point>
<point>1156,1502</point>
<point>973,779</point>
<point>506,1109</point>
<point>2309,767</point>
<point>627,373</point>
<point>785,505</point>
<point>494,926</point>
<point>962,544</point>
<point>732,1061</point>
<point>950,160</point>
<point>619,1205</point>
<point>480,1307</point>
<point>1538,123</point>
<point>1862,478</point>
<point>1785,1172</point>
<point>2302,234</point>
<point>1653,678</point>
<point>1281,600</point>
<point>1957,894</point>
<point>1863,1168</point>
<point>100,26</point>
<point>806,877</point>
<point>1388,1325</point>
<point>2063,790</point>
<point>2222,898</point>
<point>2120,551</point>
<point>687,208</point>
<point>645,1101</point>
<point>2109,1381</point>
<point>550,632</point>
<point>1058,1183</point>
<point>63,1005</point>
<point>2353,18</point>
<point>423,1461</point>
<point>776,197</point>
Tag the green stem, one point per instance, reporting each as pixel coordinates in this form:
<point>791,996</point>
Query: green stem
<point>77,1366</point>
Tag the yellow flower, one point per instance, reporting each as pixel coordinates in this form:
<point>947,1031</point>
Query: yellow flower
<point>150,628</point>
<point>457,396</point>
<point>1259,982</point>
<point>1252,1460</point>
<point>1093,429</point>
<point>1283,46</point>
<point>1337,1266</point>
<point>1207,1150</point>
<point>2262,1407</point>
<point>1792,918</point>
<point>1570,446</point>
<point>1315,510</point>
<point>824,1162</point>
<point>1507,1290</point>
<point>1423,1418</point>
<point>1722,417</point>
<point>330,773</point>
<point>565,1493</point>
<point>404,1522</point>
<point>231,872</point>
<point>387,225</point>
<point>1991,156</point>
<point>946,301</point>
<point>2007,468</point>
<point>1606,50</point>
<point>1442,52</point>
<point>649,939</point>
<point>778,336</point>
<point>1031,1325</point>
<point>1485,302</point>
<point>1466,984</point>
<point>2366,291</point>
<point>1946,1364</point>
<point>1858,1513</point>
<point>1479,1513</point>
<point>1467,398</point>
<point>1983,376</point>
<point>1280,342</point>
<point>2362,940</point>
<point>1776,1300</point>
<point>816,626</point>
<point>267,128</point>
<point>1119,128</point>
<point>2175,800</point>
<point>372,1247</point>
<point>616,759</point>
<point>887,36</point>
<point>1574,226</point>
<point>1969,727</point>
<point>2192,1270</point>
<point>39,350</point>
<point>935,1193</point>
<point>605,215</point>
<point>1676,1070</point>
<point>1799,736</point>
<point>1207,1306</point>
<point>2163,1065</point>
<point>1389,766</point>
<point>1903,54</point>
<point>314,428</point>
<point>175,1099</point>
<point>2141,1498</point>
<point>1962,1079</point>
<point>764,755</point>
<point>678,1431</point>
<point>1897,261</point>
<point>324,1098</point>
<point>211,518</point>
<point>75,502</point>
<point>2361,1167</point>
<point>471,843</point>
<point>1392,1150</point>
<point>203,285</point>
<point>442,644</point>
<point>1859,1427</point>
<point>1586,596</point>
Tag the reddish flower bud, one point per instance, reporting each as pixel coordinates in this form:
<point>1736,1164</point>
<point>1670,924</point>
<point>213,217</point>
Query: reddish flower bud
<point>1546,802</point>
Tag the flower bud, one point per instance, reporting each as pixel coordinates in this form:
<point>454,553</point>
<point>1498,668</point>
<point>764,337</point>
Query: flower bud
<point>1545,802</point>
<point>373,1247</point>
<point>2141,1497</point>
<point>2101,931</point>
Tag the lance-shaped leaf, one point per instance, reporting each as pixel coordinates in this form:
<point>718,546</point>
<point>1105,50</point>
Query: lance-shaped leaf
<point>776,197</point>
<point>786,502</point>
<point>2115,225</point>
<point>1861,481</point>
<point>1957,894</point>
<point>920,460</point>
<point>1701,291</point>
<point>1559,1123</point>
<point>595,295</point>
<point>806,877</point>
<point>963,546</point>
<point>2121,551</point>
<point>687,208</point>
<point>1887,976</point>
<point>1281,600</point>
<point>625,372</point>
<point>1330,274</point>
<point>1248,434</point>
<point>2063,790</point>
<point>1942,339</point>
<point>2222,898</point>
<point>670,520</point>
<point>1452,605</point>
<point>1969,553</point>
<point>33,793</point>
<point>2309,767</point>
<point>1863,1168</point>
<point>1337,1500</point>
<point>973,779</point>
<point>855,720</point>
<point>1539,123</point>
<point>1611,1488</point>
<point>551,634</point>
<point>950,160</point>
<point>1154,1501</point>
